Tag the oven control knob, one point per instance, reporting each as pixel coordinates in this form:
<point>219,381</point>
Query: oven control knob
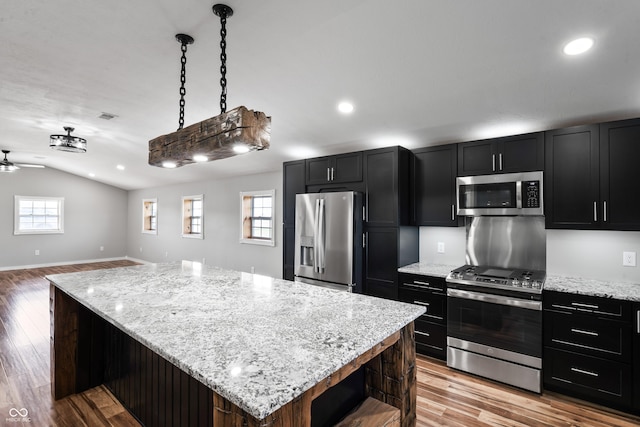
<point>526,284</point>
<point>536,284</point>
<point>515,282</point>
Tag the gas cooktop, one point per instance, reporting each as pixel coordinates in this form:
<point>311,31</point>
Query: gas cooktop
<point>531,281</point>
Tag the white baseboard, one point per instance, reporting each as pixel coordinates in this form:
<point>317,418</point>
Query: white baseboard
<point>84,261</point>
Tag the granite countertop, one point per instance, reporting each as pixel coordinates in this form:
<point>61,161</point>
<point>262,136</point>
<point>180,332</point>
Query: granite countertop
<point>428,269</point>
<point>600,288</point>
<point>257,341</point>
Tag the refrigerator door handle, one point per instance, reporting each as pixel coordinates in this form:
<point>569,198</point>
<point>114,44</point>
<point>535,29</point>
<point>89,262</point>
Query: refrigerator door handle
<point>321,237</point>
<point>316,234</point>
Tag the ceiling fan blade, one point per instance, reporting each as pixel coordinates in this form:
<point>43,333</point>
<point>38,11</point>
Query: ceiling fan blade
<point>27,165</point>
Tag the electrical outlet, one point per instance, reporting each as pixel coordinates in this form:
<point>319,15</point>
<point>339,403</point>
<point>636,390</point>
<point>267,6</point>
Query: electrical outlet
<point>37,251</point>
<point>440,247</point>
<point>166,254</point>
<point>141,249</point>
<point>253,270</point>
<point>629,259</point>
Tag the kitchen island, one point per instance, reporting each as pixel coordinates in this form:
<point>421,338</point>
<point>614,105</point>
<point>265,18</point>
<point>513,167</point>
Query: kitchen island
<point>184,343</point>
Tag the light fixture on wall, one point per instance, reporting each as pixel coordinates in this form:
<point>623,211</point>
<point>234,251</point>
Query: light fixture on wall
<point>6,165</point>
<point>73,144</point>
<point>230,133</point>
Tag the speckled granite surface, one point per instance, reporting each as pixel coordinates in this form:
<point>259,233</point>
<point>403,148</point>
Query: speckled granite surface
<point>257,341</point>
<point>427,269</point>
<point>599,288</point>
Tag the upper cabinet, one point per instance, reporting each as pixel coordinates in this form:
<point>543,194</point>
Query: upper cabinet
<point>590,171</point>
<point>334,169</point>
<point>387,186</point>
<point>520,153</point>
<point>620,174</point>
<point>434,185</point>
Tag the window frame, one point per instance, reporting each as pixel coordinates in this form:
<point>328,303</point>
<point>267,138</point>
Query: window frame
<point>16,215</point>
<point>146,230</point>
<point>243,217</point>
<point>187,221</point>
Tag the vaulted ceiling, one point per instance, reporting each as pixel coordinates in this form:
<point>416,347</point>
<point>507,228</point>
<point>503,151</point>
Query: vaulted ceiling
<point>419,72</point>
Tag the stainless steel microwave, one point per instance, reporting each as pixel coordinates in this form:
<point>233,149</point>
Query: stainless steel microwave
<point>503,194</point>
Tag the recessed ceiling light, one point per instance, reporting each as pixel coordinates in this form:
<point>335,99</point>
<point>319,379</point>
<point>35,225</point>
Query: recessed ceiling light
<point>200,158</point>
<point>120,167</point>
<point>240,148</point>
<point>168,165</point>
<point>578,46</point>
<point>345,107</point>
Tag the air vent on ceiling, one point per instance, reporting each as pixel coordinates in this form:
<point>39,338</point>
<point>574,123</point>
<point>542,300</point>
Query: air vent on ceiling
<point>107,116</point>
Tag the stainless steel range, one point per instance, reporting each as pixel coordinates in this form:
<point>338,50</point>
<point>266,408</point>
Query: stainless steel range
<point>494,303</point>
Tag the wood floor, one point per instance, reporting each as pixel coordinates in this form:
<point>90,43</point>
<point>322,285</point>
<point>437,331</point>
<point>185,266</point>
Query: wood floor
<point>445,397</point>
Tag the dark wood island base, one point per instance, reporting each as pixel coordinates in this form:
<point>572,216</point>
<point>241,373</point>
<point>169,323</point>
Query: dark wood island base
<point>87,351</point>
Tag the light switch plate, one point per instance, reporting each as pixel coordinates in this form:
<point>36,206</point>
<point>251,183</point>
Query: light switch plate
<point>629,259</point>
<point>440,247</point>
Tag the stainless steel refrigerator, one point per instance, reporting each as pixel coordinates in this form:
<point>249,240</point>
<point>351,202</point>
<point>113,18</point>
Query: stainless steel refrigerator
<point>329,240</point>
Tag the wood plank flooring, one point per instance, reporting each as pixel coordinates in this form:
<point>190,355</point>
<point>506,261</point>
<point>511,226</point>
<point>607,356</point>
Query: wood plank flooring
<point>445,397</point>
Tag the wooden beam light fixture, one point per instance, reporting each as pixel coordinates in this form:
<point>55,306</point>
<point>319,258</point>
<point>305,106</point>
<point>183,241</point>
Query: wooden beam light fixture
<point>230,133</point>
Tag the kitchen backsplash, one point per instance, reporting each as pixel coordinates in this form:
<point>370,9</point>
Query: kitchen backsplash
<point>583,253</point>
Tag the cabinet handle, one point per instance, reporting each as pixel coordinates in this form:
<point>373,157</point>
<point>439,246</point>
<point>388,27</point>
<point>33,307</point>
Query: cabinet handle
<point>331,174</point>
<point>582,371</point>
<point>430,288</point>
<point>604,211</point>
<point>426,304</point>
<point>638,321</point>
<point>493,162</point>
<point>595,211</point>
<point>426,334</point>
<point>364,241</point>
<point>580,331</point>
<point>500,158</point>
<point>453,212</point>
<point>328,175</point>
<point>590,306</point>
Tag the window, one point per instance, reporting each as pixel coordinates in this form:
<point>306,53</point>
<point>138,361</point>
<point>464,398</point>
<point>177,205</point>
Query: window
<point>150,216</point>
<point>38,215</point>
<point>258,214</point>
<point>193,216</point>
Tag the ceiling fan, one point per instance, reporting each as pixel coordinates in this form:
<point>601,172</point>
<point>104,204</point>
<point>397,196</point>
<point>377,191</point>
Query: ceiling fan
<point>7,166</point>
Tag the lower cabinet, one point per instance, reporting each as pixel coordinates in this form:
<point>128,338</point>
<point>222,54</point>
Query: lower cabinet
<point>431,327</point>
<point>588,348</point>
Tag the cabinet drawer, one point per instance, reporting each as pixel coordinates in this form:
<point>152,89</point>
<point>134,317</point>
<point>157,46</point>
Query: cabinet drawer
<point>431,339</point>
<point>423,283</point>
<point>599,380</point>
<point>584,304</point>
<point>435,304</point>
<point>602,338</point>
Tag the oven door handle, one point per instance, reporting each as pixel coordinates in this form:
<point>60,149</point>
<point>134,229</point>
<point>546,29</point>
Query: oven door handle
<point>495,299</point>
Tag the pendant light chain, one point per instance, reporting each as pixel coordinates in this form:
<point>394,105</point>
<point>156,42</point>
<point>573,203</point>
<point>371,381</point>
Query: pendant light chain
<point>223,62</point>
<point>184,41</point>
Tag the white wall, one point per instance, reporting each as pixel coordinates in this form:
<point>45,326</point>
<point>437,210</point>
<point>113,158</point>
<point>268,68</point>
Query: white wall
<point>94,216</point>
<point>581,253</point>
<point>220,246</point>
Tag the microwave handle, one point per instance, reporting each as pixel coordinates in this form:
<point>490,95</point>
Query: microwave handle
<point>500,160</point>
<point>493,162</point>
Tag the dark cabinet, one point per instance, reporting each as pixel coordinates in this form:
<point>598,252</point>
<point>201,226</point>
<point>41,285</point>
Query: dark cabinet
<point>434,186</point>
<point>571,181</point>
<point>387,173</point>
<point>431,327</point>
<point>620,174</point>
<point>334,169</point>
<point>389,243</point>
<point>518,153</point>
<point>590,176</point>
<point>588,350</point>
<point>293,174</point>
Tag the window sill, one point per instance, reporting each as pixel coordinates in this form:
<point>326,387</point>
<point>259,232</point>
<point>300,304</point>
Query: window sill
<point>258,242</point>
<point>194,236</point>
